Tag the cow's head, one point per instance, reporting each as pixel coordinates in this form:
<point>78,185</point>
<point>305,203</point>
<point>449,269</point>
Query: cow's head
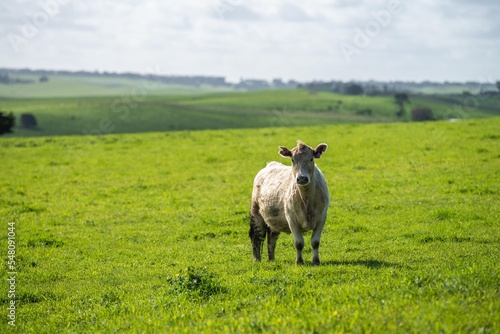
<point>303,160</point>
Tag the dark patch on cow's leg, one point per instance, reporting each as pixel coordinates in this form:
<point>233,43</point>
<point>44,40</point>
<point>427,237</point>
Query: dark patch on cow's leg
<point>299,245</point>
<point>315,247</point>
<point>272,237</point>
<point>257,234</point>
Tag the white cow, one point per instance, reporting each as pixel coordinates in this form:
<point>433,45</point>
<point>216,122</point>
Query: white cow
<point>289,199</point>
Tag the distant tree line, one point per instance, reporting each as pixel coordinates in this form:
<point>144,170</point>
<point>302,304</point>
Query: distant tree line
<point>390,87</point>
<point>7,80</point>
<point>371,87</point>
<point>200,80</point>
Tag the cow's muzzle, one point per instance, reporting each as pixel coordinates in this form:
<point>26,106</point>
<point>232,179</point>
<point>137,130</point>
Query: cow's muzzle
<point>302,180</point>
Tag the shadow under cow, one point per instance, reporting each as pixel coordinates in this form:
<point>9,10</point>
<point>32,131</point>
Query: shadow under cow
<point>372,264</point>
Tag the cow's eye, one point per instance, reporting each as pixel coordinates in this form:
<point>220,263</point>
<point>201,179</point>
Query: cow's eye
<point>311,159</point>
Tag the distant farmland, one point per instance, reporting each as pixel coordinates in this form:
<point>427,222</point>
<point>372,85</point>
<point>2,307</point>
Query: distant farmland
<point>126,106</point>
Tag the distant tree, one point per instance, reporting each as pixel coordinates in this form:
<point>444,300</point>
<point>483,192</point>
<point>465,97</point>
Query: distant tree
<point>354,89</point>
<point>401,99</point>
<point>422,114</point>
<point>28,121</point>
<point>43,78</point>
<point>7,122</point>
<point>498,85</point>
<point>4,78</point>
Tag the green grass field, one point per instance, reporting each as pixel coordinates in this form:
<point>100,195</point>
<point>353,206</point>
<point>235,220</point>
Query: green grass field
<point>148,232</point>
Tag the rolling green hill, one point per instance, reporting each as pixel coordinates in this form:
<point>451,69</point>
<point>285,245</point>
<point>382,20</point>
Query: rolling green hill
<point>143,111</point>
<point>148,232</point>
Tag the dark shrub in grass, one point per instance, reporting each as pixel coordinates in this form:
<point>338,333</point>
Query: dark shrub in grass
<point>28,121</point>
<point>7,122</point>
<point>422,114</point>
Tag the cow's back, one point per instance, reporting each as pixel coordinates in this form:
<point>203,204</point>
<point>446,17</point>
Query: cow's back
<point>271,179</point>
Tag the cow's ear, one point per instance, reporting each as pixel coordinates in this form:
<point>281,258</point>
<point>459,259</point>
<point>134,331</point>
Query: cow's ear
<point>319,150</point>
<point>284,152</point>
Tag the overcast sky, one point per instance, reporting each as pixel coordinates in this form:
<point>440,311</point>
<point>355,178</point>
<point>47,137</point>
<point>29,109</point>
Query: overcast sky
<point>410,40</point>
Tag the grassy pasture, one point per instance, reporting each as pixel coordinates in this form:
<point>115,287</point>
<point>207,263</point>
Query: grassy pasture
<point>133,112</point>
<point>148,232</point>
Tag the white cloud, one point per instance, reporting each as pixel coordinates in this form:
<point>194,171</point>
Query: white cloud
<point>451,40</point>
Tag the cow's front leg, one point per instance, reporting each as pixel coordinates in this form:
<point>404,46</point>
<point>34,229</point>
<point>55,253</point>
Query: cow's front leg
<point>297,237</point>
<point>315,248</point>
<point>315,240</point>
<point>299,245</point>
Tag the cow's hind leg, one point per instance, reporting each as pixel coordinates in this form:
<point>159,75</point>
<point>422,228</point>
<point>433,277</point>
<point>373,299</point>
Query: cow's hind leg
<point>272,237</point>
<point>257,234</point>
